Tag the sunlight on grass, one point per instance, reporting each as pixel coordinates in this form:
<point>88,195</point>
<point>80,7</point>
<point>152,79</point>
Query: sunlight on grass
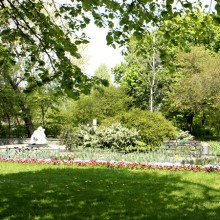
<point>36,191</point>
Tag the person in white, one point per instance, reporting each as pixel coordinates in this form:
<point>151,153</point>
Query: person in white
<point>38,137</point>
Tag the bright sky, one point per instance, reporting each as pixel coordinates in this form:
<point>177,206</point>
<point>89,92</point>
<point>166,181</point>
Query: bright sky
<point>99,52</point>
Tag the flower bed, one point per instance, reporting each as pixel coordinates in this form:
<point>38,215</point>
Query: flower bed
<point>117,164</point>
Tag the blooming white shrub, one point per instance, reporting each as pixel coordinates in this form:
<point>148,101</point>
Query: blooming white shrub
<point>114,137</point>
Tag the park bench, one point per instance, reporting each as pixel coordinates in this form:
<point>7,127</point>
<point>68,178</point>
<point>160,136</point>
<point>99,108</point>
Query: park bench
<point>201,147</point>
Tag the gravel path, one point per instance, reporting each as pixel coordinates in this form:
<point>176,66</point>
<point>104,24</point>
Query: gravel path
<point>51,145</point>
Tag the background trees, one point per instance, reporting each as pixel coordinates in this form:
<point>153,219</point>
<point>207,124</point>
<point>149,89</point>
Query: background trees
<point>40,41</point>
<point>145,72</point>
<point>194,98</point>
<point>47,34</point>
<point>112,102</point>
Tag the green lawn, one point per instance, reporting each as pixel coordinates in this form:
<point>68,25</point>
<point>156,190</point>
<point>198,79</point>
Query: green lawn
<point>36,191</point>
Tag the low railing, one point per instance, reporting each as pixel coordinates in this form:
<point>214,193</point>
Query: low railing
<point>195,148</point>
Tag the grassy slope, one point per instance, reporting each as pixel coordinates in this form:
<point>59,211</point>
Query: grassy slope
<point>35,191</point>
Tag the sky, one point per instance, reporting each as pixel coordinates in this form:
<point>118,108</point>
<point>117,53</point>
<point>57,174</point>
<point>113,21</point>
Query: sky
<point>99,52</point>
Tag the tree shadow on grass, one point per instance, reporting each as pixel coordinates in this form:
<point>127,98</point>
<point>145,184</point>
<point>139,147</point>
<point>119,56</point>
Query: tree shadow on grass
<point>98,193</point>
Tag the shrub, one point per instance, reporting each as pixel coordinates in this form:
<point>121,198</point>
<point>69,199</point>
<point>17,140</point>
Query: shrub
<point>114,137</point>
<point>184,135</point>
<point>53,130</point>
<point>16,131</point>
<point>153,127</point>
<point>69,137</point>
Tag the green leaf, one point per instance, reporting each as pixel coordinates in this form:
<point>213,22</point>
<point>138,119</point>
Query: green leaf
<point>187,5</point>
<point>164,14</point>
<point>109,38</point>
<point>169,2</point>
<point>217,8</point>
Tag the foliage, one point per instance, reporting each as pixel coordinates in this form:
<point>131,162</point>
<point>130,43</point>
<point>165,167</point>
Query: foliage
<point>53,130</point>
<point>32,30</point>
<point>103,72</point>
<point>69,137</point>
<point>144,74</point>
<point>203,161</point>
<point>153,127</point>
<point>40,43</point>
<point>9,111</point>
<point>214,147</point>
<point>116,138</point>
<point>193,101</point>
<point>195,28</point>
<point>184,135</point>
<point>16,131</point>
<point>43,101</point>
<point>150,68</point>
<point>42,48</point>
<point>179,155</point>
<point>110,103</point>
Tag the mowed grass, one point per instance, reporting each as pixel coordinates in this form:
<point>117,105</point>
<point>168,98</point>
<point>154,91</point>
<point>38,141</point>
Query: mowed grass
<point>36,191</point>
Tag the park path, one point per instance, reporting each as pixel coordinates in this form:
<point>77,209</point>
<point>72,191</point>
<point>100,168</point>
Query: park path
<point>53,144</point>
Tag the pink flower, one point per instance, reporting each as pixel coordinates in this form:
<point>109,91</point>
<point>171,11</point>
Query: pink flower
<point>112,164</point>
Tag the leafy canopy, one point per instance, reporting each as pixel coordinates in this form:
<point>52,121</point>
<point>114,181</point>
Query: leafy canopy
<point>48,33</point>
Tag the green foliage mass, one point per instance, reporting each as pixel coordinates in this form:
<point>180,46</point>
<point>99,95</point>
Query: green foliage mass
<point>110,103</point>
<point>115,137</point>
<point>193,101</point>
<point>47,34</point>
<point>153,127</point>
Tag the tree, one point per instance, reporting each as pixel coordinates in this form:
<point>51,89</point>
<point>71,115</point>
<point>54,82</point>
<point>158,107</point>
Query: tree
<point>9,110</point>
<point>144,73</point>
<point>112,102</point>
<point>195,28</point>
<point>30,61</point>
<point>42,101</point>
<point>196,95</point>
<point>103,72</point>
<point>149,66</point>
<point>8,65</point>
<point>42,42</point>
<point>46,41</point>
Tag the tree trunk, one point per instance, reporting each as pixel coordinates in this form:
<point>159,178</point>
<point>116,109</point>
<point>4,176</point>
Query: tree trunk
<point>203,120</point>
<point>27,119</point>
<point>190,122</point>
<point>9,125</point>
<point>26,114</point>
<point>154,72</point>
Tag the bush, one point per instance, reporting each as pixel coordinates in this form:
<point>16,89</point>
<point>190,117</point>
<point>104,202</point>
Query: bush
<point>53,130</point>
<point>68,137</point>
<point>184,135</point>
<point>153,127</point>
<point>17,131</point>
<point>115,137</point>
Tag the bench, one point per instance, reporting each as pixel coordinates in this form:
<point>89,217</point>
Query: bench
<point>202,147</point>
